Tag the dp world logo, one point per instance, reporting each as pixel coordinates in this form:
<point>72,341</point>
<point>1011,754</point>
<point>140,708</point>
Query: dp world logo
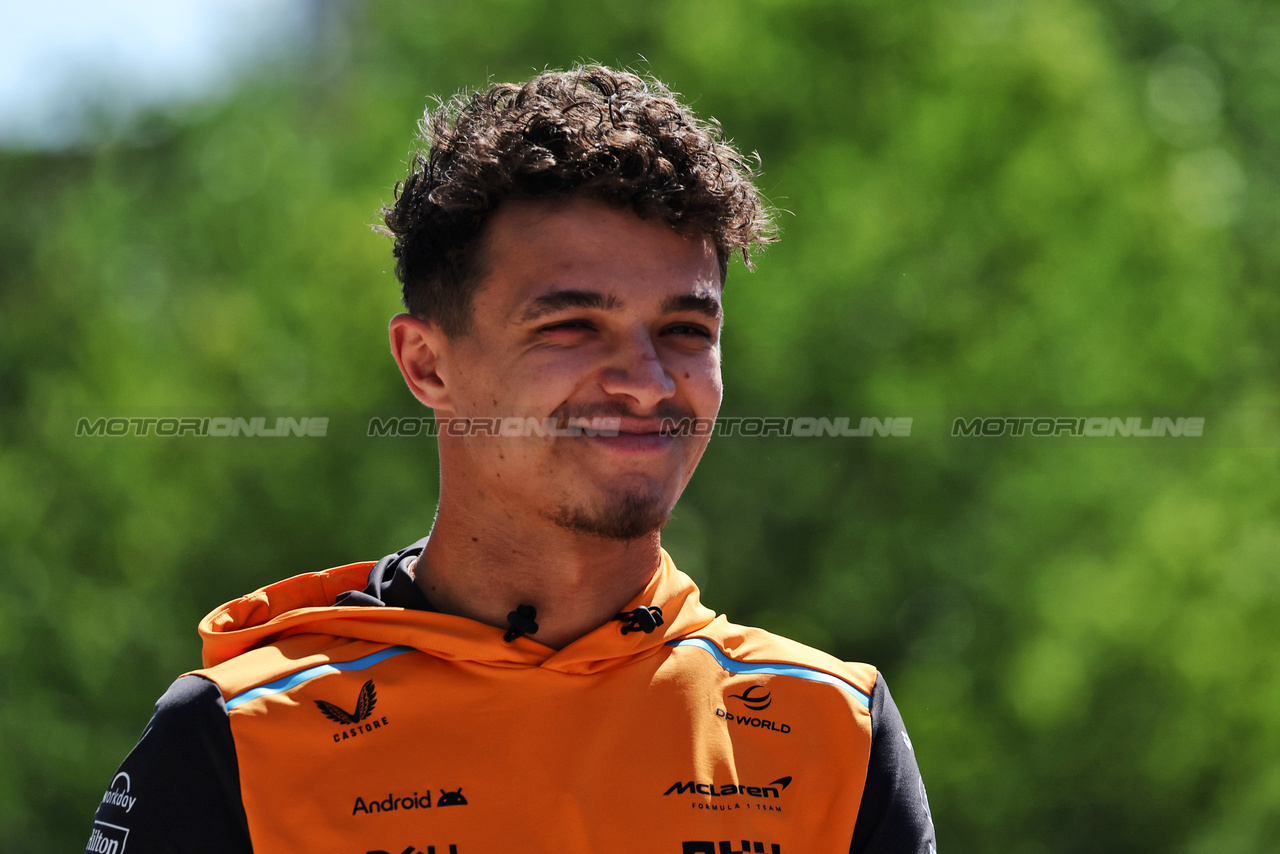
<point>756,698</point>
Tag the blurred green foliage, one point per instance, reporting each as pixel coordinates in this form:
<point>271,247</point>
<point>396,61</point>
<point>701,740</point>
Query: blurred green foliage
<point>994,207</point>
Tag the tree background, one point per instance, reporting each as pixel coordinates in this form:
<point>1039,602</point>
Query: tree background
<point>992,208</point>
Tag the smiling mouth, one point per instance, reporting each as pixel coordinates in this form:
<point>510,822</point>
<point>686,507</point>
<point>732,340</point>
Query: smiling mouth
<point>636,443</point>
<point>621,431</point>
<point>611,421</point>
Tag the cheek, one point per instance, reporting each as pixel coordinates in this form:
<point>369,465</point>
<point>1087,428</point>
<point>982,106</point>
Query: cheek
<point>704,384</point>
<point>556,377</point>
<point>531,390</point>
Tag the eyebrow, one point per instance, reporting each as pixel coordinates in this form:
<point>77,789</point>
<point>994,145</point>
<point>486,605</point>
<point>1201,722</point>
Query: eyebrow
<point>697,303</point>
<point>560,300</point>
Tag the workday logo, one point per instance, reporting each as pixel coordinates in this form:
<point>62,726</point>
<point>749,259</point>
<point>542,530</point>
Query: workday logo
<point>117,794</point>
<point>756,698</point>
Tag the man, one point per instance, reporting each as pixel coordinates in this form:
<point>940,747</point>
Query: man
<point>535,675</point>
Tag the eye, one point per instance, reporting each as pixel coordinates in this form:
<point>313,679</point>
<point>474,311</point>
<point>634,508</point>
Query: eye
<point>572,325</point>
<point>695,330</point>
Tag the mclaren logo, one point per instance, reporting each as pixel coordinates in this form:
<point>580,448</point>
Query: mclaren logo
<point>693,787</point>
<point>355,721</point>
<point>731,796</point>
<point>757,698</point>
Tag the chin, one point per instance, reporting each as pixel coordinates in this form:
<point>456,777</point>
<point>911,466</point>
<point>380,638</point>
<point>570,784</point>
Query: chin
<point>623,517</point>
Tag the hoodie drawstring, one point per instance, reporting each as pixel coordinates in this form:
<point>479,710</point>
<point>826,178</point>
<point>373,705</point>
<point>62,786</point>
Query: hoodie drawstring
<point>643,619</point>
<point>522,622</point>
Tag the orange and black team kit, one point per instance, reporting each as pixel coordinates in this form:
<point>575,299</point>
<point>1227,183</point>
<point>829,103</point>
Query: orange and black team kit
<point>338,712</point>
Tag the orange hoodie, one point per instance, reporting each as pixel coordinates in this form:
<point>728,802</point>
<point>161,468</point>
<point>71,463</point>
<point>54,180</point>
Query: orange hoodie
<point>390,729</point>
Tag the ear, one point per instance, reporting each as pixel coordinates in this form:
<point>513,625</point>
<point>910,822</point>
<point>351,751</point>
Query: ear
<point>417,345</point>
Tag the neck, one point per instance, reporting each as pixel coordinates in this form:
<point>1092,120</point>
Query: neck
<point>483,567</point>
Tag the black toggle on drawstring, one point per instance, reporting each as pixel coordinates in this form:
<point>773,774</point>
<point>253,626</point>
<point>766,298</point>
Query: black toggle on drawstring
<point>522,622</point>
<point>643,619</point>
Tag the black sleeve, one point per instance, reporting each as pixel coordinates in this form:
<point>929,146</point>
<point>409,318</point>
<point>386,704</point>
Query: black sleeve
<point>178,790</point>
<point>894,815</point>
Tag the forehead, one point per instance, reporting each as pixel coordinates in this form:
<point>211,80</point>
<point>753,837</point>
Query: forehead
<point>532,248</point>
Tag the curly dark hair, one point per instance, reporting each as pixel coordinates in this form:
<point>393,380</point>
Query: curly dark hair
<point>590,131</point>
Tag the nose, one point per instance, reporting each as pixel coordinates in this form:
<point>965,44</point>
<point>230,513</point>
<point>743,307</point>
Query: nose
<point>637,372</point>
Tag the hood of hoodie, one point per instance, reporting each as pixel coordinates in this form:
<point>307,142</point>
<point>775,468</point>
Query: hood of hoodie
<point>305,604</point>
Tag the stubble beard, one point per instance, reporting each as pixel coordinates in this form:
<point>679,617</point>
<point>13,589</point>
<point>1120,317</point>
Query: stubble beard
<point>624,517</point>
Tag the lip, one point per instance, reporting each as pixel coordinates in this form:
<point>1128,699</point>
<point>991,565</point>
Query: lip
<point>626,424</point>
<point>636,443</point>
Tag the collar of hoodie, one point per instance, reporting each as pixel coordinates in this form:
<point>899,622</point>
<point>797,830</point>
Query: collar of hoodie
<point>379,602</point>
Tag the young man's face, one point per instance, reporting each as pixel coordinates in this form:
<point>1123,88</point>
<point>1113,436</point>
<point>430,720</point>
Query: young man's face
<point>586,311</point>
